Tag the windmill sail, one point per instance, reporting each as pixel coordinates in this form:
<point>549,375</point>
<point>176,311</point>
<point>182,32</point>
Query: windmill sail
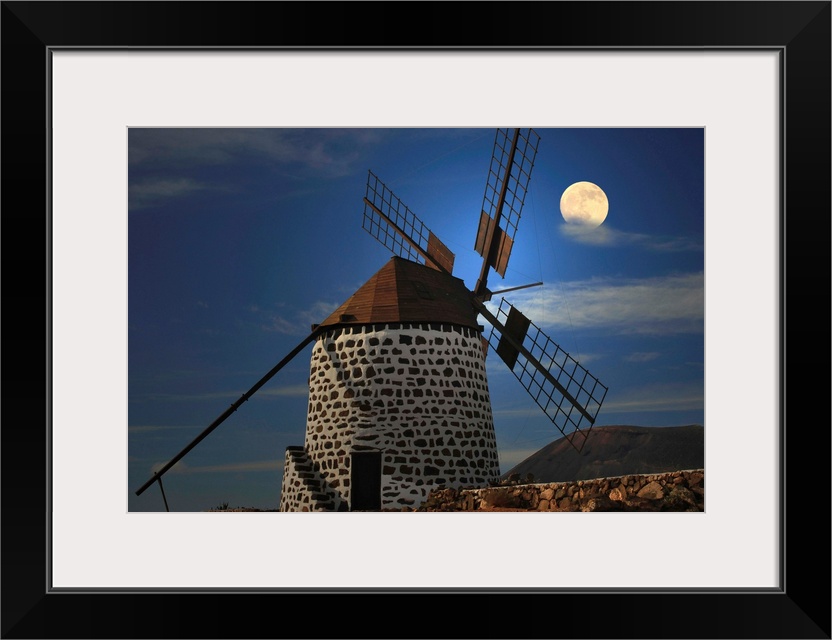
<point>505,191</point>
<point>568,394</point>
<point>389,221</point>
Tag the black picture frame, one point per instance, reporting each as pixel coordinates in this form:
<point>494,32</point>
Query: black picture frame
<point>799,31</point>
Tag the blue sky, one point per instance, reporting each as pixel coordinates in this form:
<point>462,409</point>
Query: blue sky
<point>241,239</point>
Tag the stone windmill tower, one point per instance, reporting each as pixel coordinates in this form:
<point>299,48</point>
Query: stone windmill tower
<point>398,396</point>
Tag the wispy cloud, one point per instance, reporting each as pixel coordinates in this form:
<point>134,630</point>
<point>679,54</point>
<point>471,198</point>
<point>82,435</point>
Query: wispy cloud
<point>237,467</point>
<point>607,236</point>
<point>521,412</point>
<point>287,391</point>
<point>317,312</point>
<point>175,397</point>
<point>168,427</point>
<point>299,390</point>
<point>153,191</point>
<point>642,356</point>
<point>332,152</point>
<point>280,324</point>
<point>648,399</point>
<point>664,305</point>
<point>298,322</point>
<point>659,397</point>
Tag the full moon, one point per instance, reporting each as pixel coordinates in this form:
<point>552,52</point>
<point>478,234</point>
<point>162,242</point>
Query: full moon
<point>584,204</point>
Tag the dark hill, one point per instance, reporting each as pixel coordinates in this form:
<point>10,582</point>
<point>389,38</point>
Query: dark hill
<point>618,450</point>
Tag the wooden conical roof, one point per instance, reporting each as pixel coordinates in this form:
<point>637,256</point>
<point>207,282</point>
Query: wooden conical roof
<point>403,291</point>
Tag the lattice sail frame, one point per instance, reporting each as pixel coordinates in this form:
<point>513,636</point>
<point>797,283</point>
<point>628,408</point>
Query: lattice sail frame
<point>585,388</point>
<point>519,174</point>
<point>402,232</point>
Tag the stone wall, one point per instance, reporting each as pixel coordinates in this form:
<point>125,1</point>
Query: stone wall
<point>672,491</point>
<point>415,393</point>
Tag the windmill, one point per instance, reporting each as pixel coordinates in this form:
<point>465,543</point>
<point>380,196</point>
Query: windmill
<point>398,396</point>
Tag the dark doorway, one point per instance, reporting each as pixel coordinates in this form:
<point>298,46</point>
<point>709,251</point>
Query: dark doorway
<point>365,481</point>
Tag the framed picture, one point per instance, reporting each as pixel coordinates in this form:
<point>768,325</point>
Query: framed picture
<point>619,287</point>
<point>77,77</point>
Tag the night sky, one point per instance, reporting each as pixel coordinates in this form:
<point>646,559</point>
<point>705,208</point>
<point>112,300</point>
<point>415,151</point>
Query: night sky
<point>241,239</point>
